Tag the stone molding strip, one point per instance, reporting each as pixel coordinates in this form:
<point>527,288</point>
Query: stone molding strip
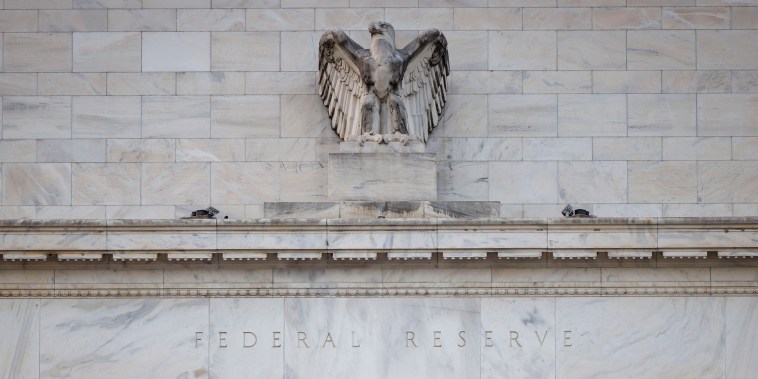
<point>377,292</point>
<point>364,239</point>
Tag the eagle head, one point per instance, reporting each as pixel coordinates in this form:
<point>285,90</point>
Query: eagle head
<point>382,28</point>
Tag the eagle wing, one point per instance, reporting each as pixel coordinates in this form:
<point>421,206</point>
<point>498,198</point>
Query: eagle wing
<point>340,81</point>
<point>425,82</point>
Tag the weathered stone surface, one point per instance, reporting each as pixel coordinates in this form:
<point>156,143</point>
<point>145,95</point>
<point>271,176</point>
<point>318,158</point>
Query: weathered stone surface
<point>301,210</point>
<point>141,150</point>
<point>727,49</point>
<point>462,209</point>
<point>144,83</point>
<point>661,50</point>
<point>85,20</point>
<point>103,52</point>
<point>51,84</point>
<point>33,52</point>
<point>663,182</point>
<point>591,115</point>
<point>557,18</point>
<point>167,51</point>
<point>36,117</point>
<point>662,115</point>
<point>459,181</point>
<point>697,82</point>
<point>176,117</point>
<point>36,184</point>
<point>626,82</point>
<point>591,50</point>
<point>601,182</point>
<point>557,82</point>
<point>239,51</point>
<point>105,184</point>
<point>523,115</point>
<point>143,20</point>
<point>210,20</point>
<point>522,50</point>
<point>106,117</point>
<point>382,177</point>
<point>523,182</point>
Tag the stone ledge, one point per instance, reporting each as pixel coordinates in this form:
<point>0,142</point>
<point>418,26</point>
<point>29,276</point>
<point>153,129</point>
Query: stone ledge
<point>581,238</point>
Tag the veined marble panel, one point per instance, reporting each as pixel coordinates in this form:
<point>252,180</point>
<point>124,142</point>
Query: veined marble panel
<point>741,336</point>
<point>124,338</point>
<point>243,338</point>
<point>19,346</point>
<point>355,176</point>
<point>382,338</point>
<point>640,337</point>
<point>518,338</point>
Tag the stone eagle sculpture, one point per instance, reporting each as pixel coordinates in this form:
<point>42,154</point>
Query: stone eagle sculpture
<point>383,94</point>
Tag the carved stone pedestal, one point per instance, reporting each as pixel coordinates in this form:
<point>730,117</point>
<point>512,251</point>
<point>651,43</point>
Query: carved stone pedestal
<point>379,176</point>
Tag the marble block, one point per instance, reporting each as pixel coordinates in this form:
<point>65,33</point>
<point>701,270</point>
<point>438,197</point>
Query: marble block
<point>236,51</point>
<point>143,20</point>
<point>19,347</point>
<point>518,338</point>
<point>105,338</point>
<point>522,50</point>
<point>104,52</point>
<point>382,176</point>
<point>741,336</point>
<point>169,51</point>
<point>349,336</point>
<point>615,337</point>
<point>33,52</point>
<point>242,338</point>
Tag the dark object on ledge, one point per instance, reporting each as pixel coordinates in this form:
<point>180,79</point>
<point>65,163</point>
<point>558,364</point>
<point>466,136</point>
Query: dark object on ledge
<point>569,211</point>
<point>203,213</point>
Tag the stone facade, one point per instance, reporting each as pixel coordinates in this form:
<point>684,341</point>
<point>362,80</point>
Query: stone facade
<point>434,260</point>
<point>628,108</point>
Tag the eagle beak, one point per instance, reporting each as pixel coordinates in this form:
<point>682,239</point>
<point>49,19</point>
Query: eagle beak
<point>374,28</point>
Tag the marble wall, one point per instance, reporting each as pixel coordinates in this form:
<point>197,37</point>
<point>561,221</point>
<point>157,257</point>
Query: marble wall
<point>153,108</point>
<point>566,337</point>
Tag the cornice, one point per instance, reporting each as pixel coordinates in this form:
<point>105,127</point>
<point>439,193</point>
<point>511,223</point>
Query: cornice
<point>560,238</point>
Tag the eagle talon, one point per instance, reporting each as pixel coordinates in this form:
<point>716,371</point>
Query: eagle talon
<point>397,137</point>
<point>368,136</point>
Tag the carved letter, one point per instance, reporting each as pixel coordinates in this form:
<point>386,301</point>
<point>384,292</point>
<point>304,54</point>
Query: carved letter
<point>277,339</point>
<point>301,336</point>
<point>567,338</point>
<point>542,340</point>
<point>355,344</point>
<point>488,339</point>
<point>221,339</point>
<point>437,338</point>
<point>329,339</point>
<point>514,337</point>
<point>409,337</point>
<point>462,336</point>
<point>198,338</point>
<point>244,339</point>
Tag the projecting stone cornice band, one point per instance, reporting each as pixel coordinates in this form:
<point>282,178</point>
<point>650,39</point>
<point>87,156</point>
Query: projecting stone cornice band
<point>314,239</point>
